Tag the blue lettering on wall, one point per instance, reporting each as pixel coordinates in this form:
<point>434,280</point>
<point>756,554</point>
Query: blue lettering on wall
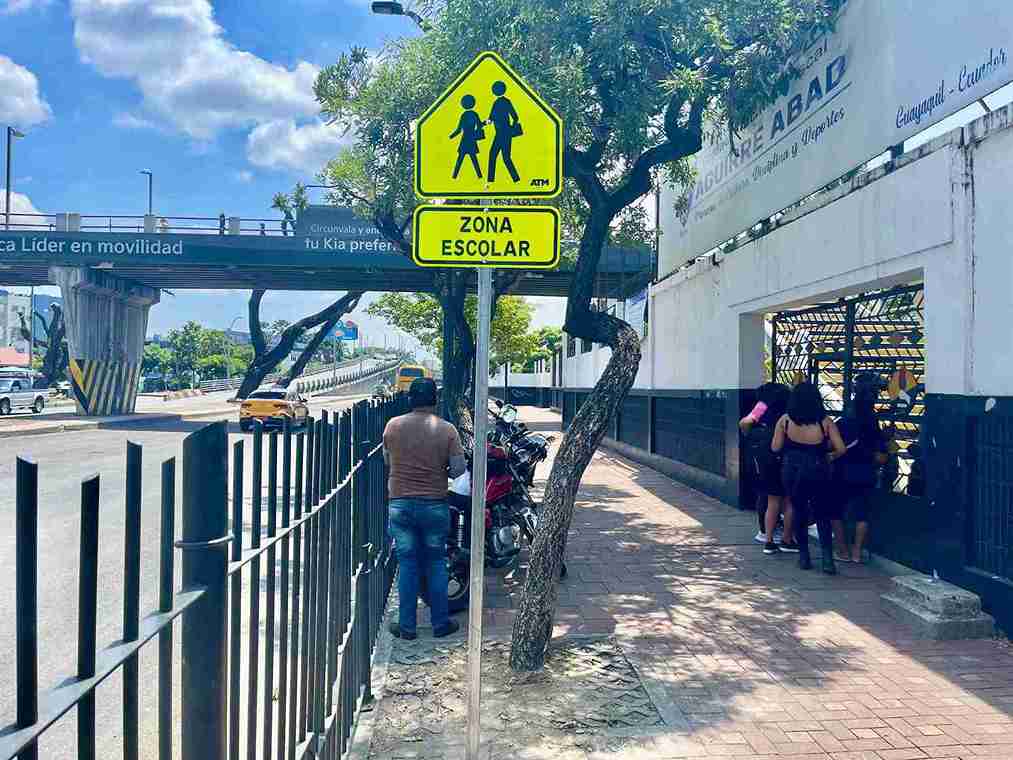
<point>815,93</point>
<point>833,75</point>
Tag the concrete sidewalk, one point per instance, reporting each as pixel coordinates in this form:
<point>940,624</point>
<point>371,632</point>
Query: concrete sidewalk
<point>738,654</point>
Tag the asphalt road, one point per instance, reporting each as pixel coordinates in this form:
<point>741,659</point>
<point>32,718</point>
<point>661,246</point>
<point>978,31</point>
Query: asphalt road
<point>64,460</point>
<point>155,403</point>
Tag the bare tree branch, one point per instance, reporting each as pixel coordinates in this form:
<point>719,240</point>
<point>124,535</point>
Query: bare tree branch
<point>256,332</point>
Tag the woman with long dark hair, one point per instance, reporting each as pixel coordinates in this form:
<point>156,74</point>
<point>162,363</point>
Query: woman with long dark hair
<point>856,473</point>
<point>758,428</point>
<point>809,440</point>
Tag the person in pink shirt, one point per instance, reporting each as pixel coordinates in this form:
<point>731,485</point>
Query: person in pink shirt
<point>758,429</point>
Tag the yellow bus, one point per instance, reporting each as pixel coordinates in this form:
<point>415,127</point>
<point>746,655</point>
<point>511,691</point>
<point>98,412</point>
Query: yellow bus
<point>407,373</point>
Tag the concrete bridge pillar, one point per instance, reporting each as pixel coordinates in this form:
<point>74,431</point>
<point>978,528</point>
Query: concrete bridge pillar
<point>107,318</point>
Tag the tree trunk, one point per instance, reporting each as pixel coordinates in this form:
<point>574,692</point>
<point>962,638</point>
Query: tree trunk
<point>54,363</point>
<point>311,349</point>
<point>533,624</point>
<point>266,361</point>
<point>458,356</point>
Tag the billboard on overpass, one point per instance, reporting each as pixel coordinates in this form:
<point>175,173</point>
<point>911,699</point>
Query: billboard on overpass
<point>888,71</point>
<point>338,228</point>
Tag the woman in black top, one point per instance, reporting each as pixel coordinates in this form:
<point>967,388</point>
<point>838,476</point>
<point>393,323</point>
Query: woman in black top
<point>855,475</point>
<point>810,441</point>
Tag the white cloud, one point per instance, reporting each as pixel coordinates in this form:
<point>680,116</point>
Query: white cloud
<point>187,72</point>
<point>20,204</point>
<point>20,101</point>
<point>282,144</point>
<point>10,7</point>
<point>132,121</point>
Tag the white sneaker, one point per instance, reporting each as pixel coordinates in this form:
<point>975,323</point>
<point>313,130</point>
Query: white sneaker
<point>761,538</point>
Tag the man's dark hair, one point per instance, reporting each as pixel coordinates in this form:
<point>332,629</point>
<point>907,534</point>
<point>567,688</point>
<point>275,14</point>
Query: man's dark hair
<point>866,387</point>
<point>805,405</point>
<point>422,392</point>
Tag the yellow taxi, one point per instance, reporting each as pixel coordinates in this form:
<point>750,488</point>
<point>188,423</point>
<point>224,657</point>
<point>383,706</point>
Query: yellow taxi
<point>272,406</point>
<point>408,373</point>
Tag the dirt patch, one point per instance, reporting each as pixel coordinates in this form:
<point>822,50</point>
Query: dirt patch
<point>588,690</point>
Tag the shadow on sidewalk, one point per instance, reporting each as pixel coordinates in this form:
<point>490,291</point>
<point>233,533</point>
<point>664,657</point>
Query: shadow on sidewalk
<point>746,651</point>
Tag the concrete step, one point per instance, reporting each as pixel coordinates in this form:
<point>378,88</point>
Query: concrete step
<point>936,595</point>
<point>937,609</point>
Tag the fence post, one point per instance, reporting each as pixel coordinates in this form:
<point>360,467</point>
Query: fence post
<point>205,540</point>
<point>26,616</point>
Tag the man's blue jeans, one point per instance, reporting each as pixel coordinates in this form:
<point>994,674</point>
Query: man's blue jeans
<point>420,528</point>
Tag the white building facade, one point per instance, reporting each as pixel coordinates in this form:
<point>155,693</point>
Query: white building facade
<point>926,237</point>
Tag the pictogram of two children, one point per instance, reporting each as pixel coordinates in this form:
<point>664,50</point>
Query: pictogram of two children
<point>471,128</point>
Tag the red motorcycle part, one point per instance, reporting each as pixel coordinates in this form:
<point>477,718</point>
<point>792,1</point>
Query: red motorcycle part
<point>496,487</point>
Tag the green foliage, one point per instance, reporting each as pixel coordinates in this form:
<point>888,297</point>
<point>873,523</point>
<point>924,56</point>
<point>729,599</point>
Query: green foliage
<point>623,74</point>
<point>196,352</point>
<point>157,360</point>
<point>420,315</point>
<point>213,367</point>
<point>273,330</point>
<point>291,205</point>
<point>550,339</point>
<point>187,348</point>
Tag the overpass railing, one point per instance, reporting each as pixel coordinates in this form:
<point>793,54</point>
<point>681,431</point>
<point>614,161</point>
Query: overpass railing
<point>315,383</point>
<point>278,621</point>
<point>231,383</point>
<point>113,223</point>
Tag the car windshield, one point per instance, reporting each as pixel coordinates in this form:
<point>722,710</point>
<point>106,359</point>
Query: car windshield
<point>276,395</point>
<point>411,372</point>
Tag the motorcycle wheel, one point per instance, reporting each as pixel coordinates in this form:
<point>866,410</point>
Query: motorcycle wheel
<point>458,589</point>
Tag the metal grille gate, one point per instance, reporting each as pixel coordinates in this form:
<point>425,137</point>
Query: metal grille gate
<point>880,332</point>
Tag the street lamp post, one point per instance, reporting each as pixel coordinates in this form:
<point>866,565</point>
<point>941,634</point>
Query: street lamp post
<point>31,332</point>
<point>228,351</point>
<point>11,134</point>
<point>151,179</point>
<point>389,8</point>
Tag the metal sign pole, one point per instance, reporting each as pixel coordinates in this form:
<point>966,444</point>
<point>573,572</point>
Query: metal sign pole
<point>478,470</point>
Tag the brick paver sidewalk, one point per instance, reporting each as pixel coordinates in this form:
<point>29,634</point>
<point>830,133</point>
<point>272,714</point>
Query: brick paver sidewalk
<point>745,655</point>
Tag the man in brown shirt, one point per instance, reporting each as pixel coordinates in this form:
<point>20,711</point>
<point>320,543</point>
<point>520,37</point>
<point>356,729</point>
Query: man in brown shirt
<point>421,451</point>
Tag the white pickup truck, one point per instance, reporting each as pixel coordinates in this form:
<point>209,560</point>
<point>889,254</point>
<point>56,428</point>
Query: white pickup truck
<point>16,392</point>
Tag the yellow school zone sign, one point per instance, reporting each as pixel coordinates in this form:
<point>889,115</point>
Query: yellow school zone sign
<point>521,237</point>
<point>489,135</point>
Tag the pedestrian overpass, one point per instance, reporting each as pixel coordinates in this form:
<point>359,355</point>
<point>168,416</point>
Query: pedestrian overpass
<point>112,269</point>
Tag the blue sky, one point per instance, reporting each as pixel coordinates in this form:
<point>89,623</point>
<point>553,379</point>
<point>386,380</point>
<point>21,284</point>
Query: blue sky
<point>214,98</point>
<point>216,101</point>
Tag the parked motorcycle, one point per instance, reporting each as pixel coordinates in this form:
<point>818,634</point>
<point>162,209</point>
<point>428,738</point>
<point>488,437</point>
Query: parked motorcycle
<point>511,516</point>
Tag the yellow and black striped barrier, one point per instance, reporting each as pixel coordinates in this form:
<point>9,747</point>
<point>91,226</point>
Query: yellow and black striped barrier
<point>104,387</point>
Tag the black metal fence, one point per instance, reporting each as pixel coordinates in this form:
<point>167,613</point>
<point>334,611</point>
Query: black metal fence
<point>322,565</point>
<point>882,332</point>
